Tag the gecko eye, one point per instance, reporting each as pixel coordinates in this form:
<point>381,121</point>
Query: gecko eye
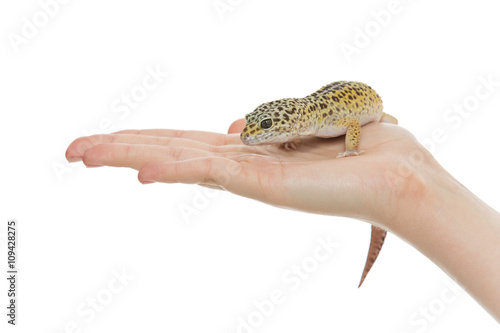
<point>266,123</point>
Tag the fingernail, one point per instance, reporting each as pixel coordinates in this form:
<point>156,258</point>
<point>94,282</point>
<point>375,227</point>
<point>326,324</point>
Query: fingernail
<point>73,158</point>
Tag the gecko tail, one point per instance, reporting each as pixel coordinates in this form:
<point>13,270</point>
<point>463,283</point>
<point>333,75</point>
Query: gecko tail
<point>376,242</point>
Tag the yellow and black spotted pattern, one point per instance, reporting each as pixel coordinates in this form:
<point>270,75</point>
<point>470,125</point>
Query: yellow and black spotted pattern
<point>337,108</point>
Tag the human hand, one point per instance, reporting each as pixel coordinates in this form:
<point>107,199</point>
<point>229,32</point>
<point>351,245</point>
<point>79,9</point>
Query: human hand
<point>309,179</point>
<point>396,184</point>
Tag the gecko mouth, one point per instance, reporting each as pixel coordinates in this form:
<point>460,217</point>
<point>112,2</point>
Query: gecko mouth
<point>263,139</point>
<point>249,140</point>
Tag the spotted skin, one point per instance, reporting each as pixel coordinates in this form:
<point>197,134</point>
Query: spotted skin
<point>336,109</point>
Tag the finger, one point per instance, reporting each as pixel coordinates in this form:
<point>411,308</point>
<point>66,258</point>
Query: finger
<point>78,147</point>
<point>237,126</point>
<point>216,139</point>
<point>387,118</point>
<point>178,142</point>
<point>239,178</point>
<point>136,156</point>
<point>193,171</point>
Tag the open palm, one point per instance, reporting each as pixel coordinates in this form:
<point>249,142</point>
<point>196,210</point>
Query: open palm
<point>309,178</point>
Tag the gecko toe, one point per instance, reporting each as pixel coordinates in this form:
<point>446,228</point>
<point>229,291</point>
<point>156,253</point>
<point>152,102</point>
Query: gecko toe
<point>292,145</point>
<point>348,153</point>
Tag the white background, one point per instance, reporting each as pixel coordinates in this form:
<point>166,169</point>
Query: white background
<point>78,225</point>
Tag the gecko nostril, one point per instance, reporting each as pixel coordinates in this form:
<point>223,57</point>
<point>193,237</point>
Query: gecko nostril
<point>248,135</point>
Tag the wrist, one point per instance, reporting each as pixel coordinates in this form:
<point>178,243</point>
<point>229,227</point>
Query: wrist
<point>455,229</point>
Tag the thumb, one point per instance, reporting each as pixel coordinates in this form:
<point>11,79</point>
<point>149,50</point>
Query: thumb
<point>237,126</point>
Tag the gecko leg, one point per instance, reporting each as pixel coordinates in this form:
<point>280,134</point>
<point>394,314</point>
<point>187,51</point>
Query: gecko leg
<point>353,130</point>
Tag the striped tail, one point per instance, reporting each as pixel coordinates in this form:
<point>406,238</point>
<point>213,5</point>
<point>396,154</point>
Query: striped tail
<point>376,242</point>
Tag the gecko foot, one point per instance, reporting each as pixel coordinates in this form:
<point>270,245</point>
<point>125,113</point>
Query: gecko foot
<point>348,153</point>
<point>292,145</point>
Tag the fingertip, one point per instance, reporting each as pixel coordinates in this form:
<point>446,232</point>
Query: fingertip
<point>77,148</point>
<point>90,158</point>
<point>237,126</point>
<point>387,118</point>
<point>71,156</point>
<point>148,173</point>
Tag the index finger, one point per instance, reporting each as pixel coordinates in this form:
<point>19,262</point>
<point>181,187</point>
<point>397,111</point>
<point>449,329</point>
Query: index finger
<point>216,139</point>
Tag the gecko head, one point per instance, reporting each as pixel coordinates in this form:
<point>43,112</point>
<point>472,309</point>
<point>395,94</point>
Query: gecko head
<point>272,122</point>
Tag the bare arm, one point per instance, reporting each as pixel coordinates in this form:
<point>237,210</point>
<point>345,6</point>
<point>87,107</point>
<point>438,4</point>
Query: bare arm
<point>460,233</point>
<point>397,184</point>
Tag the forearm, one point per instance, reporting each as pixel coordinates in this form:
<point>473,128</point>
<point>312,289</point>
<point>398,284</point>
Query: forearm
<point>460,233</point>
